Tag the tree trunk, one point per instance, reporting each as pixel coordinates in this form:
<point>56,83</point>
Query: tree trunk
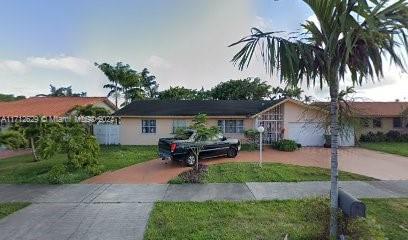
<point>196,153</point>
<point>116,94</point>
<point>33,149</point>
<point>334,92</point>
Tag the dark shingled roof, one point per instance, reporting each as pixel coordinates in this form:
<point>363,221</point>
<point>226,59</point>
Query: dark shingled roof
<point>194,107</point>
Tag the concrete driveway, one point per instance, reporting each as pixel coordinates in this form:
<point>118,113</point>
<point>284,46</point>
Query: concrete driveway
<point>356,160</point>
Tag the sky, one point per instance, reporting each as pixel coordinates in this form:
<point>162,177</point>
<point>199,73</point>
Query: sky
<point>182,42</point>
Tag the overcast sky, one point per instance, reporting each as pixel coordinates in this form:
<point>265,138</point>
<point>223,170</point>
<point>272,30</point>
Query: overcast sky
<point>182,42</point>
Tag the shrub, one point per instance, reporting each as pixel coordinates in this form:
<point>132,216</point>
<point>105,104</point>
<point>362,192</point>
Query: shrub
<point>249,147</point>
<point>193,175</point>
<point>252,136</point>
<point>380,137</point>
<point>285,145</point>
<point>81,148</point>
<point>12,139</point>
<point>56,174</point>
<point>391,136</point>
<point>404,137</point>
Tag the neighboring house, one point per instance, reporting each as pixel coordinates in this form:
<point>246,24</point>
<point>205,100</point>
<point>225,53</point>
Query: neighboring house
<point>49,107</point>
<point>381,116</point>
<point>144,122</point>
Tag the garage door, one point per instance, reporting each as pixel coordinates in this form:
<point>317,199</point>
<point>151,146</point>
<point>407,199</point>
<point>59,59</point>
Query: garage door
<point>311,134</point>
<point>307,134</point>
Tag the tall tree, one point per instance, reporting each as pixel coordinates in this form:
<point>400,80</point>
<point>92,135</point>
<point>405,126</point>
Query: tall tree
<point>149,84</point>
<point>10,97</point>
<point>132,88</point>
<point>124,81</point>
<point>203,94</point>
<point>351,36</point>
<point>289,91</point>
<point>91,110</point>
<point>178,93</point>
<point>63,92</point>
<point>242,89</point>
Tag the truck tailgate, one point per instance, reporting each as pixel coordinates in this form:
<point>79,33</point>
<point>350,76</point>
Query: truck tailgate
<point>164,144</point>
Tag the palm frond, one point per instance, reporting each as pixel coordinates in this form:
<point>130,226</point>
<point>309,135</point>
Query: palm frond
<point>295,60</point>
<point>353,37</point>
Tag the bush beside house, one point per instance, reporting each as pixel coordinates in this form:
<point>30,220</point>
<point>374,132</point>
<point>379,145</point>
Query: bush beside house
<point>251,140</point>
<point>390,136</point>
<point>285,145</point>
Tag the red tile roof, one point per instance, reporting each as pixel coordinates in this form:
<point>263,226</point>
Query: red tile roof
<point>379,109</point>
<point>48,106</point>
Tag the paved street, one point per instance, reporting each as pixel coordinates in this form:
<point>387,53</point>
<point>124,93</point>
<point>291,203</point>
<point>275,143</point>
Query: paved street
<point>121,211</point>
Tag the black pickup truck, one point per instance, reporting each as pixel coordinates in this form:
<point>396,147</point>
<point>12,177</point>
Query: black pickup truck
<point>180,149</point>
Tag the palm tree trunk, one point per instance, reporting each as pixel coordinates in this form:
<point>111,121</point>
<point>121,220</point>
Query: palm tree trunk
<point>334,92</point>
<point>116,94</point>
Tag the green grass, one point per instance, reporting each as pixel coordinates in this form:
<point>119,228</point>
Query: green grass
<point>300,219</point>
<point>388,147</point>
<point>270,172</point>
<point>9,208</point>
<point>237,220</point>
<point>391,214</point>
<point>23,169</point>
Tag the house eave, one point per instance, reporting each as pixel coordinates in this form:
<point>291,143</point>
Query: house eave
<point>183,117</point>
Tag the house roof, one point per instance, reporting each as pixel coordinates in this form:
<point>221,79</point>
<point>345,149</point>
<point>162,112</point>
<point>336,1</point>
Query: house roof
<point>48,106</point>
<point>379,109</point>
<point>194,107</point>
<point>372,109</point>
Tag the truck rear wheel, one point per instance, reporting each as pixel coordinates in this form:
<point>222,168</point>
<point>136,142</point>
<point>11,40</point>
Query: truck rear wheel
<point>232,152</point>
<point>190,160</point>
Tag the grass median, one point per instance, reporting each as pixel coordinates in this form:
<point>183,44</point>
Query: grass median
<point>296,219</point>
<point>269,172</point>
<point>397,148</point>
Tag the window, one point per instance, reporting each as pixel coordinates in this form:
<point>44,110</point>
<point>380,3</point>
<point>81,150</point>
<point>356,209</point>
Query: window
<point>365,122</point>
<point>231,126</point>
<point>179,124</point>
<point>377,122</point>
<point>397,122</point>
<point>148,126</point>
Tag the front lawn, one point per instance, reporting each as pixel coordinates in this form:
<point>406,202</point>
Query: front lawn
<point>299,219</point>
<point>391,214</point>
<point>22,169</point>
<point>9,208</point>
<point>398,148</point>
<point>270,172</point>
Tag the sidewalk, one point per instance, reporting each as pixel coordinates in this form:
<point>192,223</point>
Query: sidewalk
<point>150,193</point>
<point>121,211</point>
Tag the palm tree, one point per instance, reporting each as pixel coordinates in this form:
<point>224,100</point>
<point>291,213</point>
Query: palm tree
<point>111,73</point>
<point>351,37</point>
<point>149,84</point>
<point>124,80</point>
